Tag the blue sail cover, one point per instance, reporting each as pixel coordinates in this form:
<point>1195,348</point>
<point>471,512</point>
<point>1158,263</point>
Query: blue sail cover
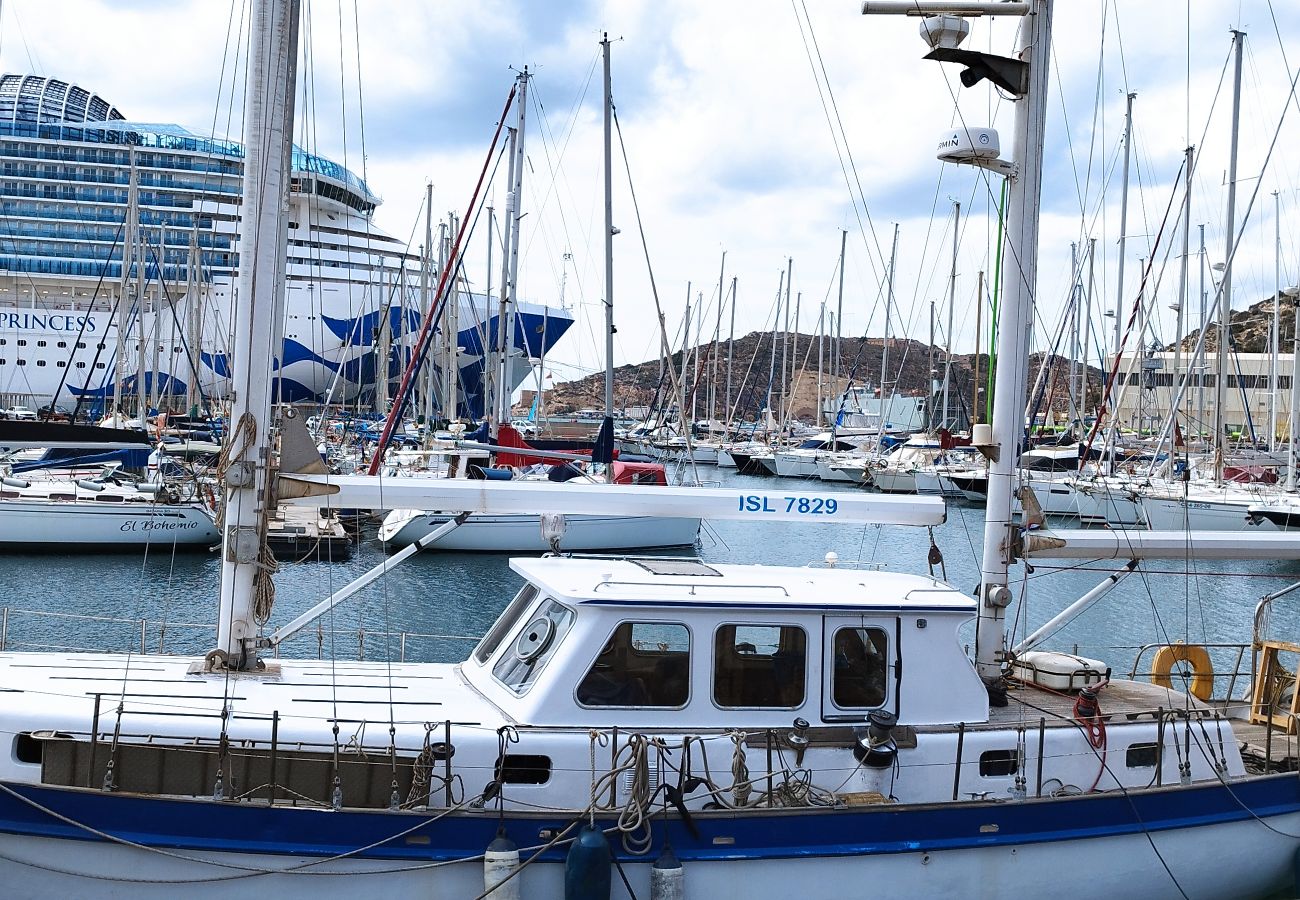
<point>71,457</point>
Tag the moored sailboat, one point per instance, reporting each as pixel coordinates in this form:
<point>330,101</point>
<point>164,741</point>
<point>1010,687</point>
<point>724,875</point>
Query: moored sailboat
<point>773,729</point>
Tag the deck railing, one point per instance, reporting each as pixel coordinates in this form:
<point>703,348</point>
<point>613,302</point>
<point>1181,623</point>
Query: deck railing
<point>45,630</point>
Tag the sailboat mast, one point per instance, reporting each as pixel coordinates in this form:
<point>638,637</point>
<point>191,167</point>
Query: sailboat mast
<point>246,586</point>
<point>451,374</point>
<point>1225,294</point>
<point>717,336</point>
<point>1087,326</point>
<point>1200,381</point>
<point>731,340</point>
<point>426,275</point>
<point>979,327</point>
<point>884,345</point>
<point>785,341</point>
<point>193,322</point>
<point>929,376</point>
<point>1123,237</point>
<point>609,234</point>
<point>1182,280</point>
<point>1015,317</point>
<point>511,219</point>
<point>1295,393</point>
<point>1276,338</point>
<point>124,303</point>
<point>839,324</point>
<point>952,305</point>
<point>771,360</point>
<point>1076,298</point>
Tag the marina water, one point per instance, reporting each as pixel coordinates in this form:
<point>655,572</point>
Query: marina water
<point>434,606</point>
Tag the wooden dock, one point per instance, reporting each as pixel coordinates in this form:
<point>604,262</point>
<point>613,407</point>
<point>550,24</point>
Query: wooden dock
<point>300,534</point>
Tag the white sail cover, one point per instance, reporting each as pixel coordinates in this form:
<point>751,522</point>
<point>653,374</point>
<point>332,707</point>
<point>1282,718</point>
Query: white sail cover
<point>1098,543</point>
<point>450,495</point>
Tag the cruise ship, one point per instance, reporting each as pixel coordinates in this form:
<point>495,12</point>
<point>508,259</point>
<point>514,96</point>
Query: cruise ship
<point>118,260</point>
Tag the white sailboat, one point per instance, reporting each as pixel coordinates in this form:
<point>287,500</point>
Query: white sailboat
<point>71,499</point>
<point>773,731</point>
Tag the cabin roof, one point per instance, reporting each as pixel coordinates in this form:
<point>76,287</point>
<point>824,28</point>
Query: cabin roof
<point>651,582</point>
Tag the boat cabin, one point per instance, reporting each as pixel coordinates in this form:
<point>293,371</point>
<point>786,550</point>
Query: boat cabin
<point>679,643</point>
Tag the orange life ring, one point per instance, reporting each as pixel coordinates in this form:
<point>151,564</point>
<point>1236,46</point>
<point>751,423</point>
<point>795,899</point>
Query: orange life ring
<point>1196,656</point>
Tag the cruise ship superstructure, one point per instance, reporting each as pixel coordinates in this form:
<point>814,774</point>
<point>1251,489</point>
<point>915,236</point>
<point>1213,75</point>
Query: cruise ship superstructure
<point>82,189</point>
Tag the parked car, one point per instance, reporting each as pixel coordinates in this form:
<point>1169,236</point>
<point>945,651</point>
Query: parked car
<point>20,412</point>
<point>54,413</point>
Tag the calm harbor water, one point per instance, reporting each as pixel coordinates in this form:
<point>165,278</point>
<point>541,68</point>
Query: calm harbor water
<point>443,601</point>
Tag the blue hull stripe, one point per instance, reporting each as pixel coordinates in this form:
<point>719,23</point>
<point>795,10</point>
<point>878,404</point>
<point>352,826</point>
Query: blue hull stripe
<point>252,827</point>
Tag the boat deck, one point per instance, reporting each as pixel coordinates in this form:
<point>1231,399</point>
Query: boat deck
<point>1119,700</point>
<point>1129,700</point>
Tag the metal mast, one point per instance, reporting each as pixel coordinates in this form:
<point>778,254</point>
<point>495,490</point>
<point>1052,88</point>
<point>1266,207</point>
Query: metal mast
<point>1225,294</point>
<point>1276,338</point>
<point>609,234</point>
<point>884,346</point>
<point>1015,318</point>
<point>839,325</point>
<point>246,588</point>
<point>952,304</point>
<point>1123,238</point>
<point>1182,277</point>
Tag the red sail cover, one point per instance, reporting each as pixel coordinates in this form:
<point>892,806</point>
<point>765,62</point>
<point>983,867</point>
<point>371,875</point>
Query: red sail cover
<point>510,438</point>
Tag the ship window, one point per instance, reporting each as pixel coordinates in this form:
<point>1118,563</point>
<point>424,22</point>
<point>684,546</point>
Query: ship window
<point>27,749</point>
<point>994,763</point>
<point>22,343</point>
<point>100,365</point>
<point>505,622</point>
<point>759,666</point>
<point>40,362</point>
<point>860,667</point>
<point>63,343</point>
<point>523,768</point>
<point>1140,756</point>
<point>41,344</point>
<point>62,364</point>
<point>81,365</point>
<point>519,666</point>
<point>642,664</point>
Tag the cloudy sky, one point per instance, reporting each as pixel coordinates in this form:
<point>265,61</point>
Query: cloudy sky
<point>757,128</point>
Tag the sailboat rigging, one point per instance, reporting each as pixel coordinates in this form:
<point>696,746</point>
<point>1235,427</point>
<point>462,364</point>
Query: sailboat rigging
<point>772,730</point>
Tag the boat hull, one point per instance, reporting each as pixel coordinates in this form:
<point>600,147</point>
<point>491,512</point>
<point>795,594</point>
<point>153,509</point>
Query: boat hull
<point>79,525</point>
<point>61,842</point>
<point>1175,514</point>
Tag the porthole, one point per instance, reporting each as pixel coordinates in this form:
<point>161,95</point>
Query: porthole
<point>534,639</point>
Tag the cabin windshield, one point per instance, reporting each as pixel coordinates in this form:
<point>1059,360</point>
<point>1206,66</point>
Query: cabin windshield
<point>760,666</point>
<point>505,623</point>
<point>642,664</point>
<point>519,664</point>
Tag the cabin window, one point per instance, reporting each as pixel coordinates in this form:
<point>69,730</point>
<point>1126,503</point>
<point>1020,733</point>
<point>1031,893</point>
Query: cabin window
<point>996,763</point>
<point>533,648</point>
<point>642,664</point>
<point>760,666</point>
<point>505,623</point>
<point>860,668</point>
<point>1141,756</point>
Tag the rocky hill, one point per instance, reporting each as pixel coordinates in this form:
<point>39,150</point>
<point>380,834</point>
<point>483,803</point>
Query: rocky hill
<point>758,358</point>
<point>1250,327</point>
<point>756,361</point>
